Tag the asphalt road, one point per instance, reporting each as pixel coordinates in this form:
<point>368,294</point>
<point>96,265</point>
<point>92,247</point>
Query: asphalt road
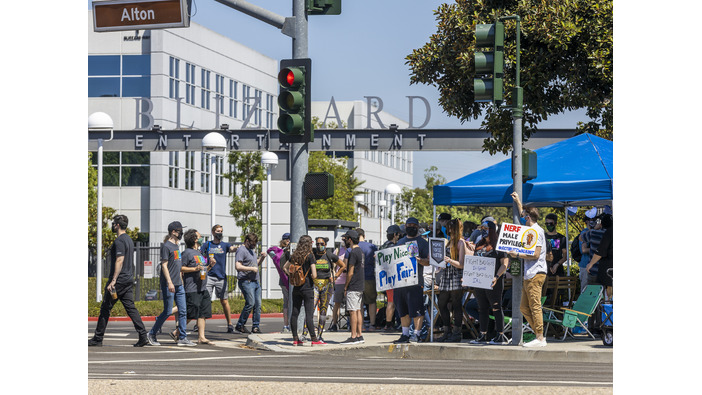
<point>230,360</point>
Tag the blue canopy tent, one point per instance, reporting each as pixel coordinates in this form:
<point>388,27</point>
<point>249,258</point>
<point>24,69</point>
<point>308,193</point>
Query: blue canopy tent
<point>572,172</point>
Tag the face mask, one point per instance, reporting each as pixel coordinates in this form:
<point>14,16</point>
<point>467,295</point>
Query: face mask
<point>348,243</point>
<point>443,230</point>
<point>522,220</point>
<point>321,247</point>
<point>200,240</point>
<point>412,232</point>
<point>218,236</point>
<point>551,228</point>
<point>114,228</point>
<point>484,232</point>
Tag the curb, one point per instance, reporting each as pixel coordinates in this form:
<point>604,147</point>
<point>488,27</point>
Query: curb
<point>436,351</point>
<point>171,318</point>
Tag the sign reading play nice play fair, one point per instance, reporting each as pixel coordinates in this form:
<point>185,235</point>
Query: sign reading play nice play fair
<point>518,238</point>
<point>115,15</point>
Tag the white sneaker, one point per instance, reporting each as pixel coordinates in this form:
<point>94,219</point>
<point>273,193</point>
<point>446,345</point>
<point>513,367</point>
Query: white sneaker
<point>186,342</point>
<point>536,343</point>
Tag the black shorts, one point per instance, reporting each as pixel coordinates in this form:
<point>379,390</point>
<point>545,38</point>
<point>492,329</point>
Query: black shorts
<point>409,301</point>
<point>199,305</point>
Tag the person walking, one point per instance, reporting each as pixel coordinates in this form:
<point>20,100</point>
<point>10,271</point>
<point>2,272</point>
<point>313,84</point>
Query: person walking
<point>216,250</point>
<point>171,281</point>
<point>449,279</point>
<point>534,274</point>
<point>304,257</point>
<point>121,287</point>
<point>247,280</point>
<point>276,254</point>
<point>490,300</point>
<point>197,299</point>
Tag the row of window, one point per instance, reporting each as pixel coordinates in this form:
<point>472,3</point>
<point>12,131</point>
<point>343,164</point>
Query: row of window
<point>126,169</point>
<point>232,98</point>
<point>189,174</point>
<point>372,201</point>
<point>398,160</point>
<point>119,76</point>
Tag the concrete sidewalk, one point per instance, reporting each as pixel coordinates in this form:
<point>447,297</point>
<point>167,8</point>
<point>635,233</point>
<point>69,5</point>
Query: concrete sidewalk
<point>380,345</point>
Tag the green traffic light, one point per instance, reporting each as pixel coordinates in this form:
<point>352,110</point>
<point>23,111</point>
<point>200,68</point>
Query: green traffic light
<point>290,124</point>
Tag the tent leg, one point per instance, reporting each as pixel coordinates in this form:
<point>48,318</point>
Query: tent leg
<point>433,279</point>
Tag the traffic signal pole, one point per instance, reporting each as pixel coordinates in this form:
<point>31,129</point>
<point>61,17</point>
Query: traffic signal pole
<point>517,111</point>
<point>299,153</point>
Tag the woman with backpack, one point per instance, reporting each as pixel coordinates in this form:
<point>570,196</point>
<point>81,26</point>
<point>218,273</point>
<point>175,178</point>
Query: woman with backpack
<point>301,270</point>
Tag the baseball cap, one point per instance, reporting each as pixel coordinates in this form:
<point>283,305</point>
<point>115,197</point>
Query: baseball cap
<point>174,226</point>
<point>412,220</point>
<point>444,216</point>
<point>351,233</point>
<point>394,229</point>
<point>286,236</point>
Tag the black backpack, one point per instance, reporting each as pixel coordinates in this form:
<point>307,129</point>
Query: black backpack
<point>575,253</point>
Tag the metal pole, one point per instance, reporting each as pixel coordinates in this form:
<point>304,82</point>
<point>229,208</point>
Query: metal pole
<point>433,279</point>
<point>268,230</point>
<point>98,276</point>
<point>299,151</point>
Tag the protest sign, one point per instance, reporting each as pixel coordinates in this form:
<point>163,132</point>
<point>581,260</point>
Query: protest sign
<point>437,250</point>
<point>518,238</point>
<point>478,272</point>
<point>396,267</point>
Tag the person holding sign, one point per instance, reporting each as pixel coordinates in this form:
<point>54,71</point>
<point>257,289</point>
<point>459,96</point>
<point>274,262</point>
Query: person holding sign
<point>490,300</point>
<point>534,274</point>
<point>449,278</point>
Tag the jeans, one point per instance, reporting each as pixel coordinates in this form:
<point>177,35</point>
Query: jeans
<point>252,297</point>
<point>168,297</point>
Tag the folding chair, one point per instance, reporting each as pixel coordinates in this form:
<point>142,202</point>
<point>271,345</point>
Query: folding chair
<point>525,325</point>
<point>583,308</point>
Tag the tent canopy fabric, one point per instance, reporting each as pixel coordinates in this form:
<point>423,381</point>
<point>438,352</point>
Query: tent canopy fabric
<point>572,172</point>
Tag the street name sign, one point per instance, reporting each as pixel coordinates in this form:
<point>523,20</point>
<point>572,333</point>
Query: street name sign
<point>116,15</point>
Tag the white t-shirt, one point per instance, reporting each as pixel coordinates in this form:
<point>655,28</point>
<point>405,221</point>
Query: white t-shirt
<point>531,267</point>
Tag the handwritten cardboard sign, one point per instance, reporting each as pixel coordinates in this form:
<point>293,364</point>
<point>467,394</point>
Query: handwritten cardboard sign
<point>478,272</point>
<point>518,238</point>
<point>396,267</point>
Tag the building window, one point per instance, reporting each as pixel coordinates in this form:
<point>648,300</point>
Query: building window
<point>219,88</point>
<point>205,173</point>
<point>269,110</point>
<point>205,89</point>
<point>190,170</point>
<point>127,169</point>
<point>245,92</point>
<point>119,75</point>
<point>173,169</point>
<point>233,102</point>
<point>190,83</point>
<point>219,178</point>
<point>174,78</point>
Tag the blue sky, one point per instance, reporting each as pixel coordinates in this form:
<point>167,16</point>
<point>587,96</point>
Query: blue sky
<point>362,53</point>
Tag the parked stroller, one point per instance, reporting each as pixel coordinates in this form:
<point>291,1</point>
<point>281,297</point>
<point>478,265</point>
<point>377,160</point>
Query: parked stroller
<point>607,323</point>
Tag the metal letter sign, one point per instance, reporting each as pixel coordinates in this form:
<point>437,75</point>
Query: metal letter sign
<point>116,15</point>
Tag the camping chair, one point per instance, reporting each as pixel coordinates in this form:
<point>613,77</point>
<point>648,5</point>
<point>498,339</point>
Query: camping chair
<point>583,308</point>
<point>525,325</point>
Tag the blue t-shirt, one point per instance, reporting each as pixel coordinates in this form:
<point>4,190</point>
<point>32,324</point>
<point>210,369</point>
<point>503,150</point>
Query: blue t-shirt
<point>368,250</point>
<point>423,250</point>
<point>220,254</point>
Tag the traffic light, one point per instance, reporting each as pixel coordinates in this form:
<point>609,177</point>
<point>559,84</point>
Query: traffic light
<point>319,185</point>
<point>294,100</point>
<point>323,7</point>
<point>486,88</point>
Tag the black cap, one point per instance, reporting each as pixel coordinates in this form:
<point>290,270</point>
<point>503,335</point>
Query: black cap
<point>352,234</point>
<point>444,216</point>
<point>412,220</point>
<point>175,225</point>
<point>286,236</point>
<point>394,229</point>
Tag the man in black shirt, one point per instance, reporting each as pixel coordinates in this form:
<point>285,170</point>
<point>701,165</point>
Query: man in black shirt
<point>354,286</point>
<point>122,284</point>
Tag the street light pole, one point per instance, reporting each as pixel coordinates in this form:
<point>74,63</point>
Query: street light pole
<point>392,190</point>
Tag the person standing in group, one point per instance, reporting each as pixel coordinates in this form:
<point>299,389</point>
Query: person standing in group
<point>490,300</point>
<point>194,269</point>
<point>534,274</point>
<point>409,300</point>
<point>339,284</point>
<point>354,286</point>
<point>450,279</point>
<point>247,280</point>
<point>121,287</point>
<point>217,250</point>
<point>276,254</point>
<point>443,221</point>
<point>393,235</point>
<point>324,283</point>
<point>603,255</point>
<point>369,292</point>
<point>303,257</point>
<point>583,243</point>
<point>171,281</point>
<point>558,246</point>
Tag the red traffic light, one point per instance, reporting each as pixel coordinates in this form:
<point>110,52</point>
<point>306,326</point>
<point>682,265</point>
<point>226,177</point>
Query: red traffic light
<point>291,77</point>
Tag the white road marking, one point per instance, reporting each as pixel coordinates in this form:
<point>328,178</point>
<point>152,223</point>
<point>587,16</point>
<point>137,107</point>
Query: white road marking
<point>187,359</point>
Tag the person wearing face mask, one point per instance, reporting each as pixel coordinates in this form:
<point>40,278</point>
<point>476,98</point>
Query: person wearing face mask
<point>534,274</point>
<point>584,244</point>
<point>197,299</point>
<point>171,288</point>
<point>409,300</point>
<point>247,280</point>
<point>279,255</point>
<point>444,219</point>
<point>393,235</point>
<point>558,247</point>
<point>324,283</point>
<point>122,284</point>
<point>216,250</point>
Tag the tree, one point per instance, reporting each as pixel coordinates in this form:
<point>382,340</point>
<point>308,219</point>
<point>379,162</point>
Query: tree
<point>566,63</point>
<point>246,203</point>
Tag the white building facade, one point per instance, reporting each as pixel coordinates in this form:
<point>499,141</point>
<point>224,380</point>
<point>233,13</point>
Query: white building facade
<point>194,78</point>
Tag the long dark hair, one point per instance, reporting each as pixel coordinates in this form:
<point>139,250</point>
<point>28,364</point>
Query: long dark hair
<point>492,235</point>
<point>304,248</point>
<point>455,229</point>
